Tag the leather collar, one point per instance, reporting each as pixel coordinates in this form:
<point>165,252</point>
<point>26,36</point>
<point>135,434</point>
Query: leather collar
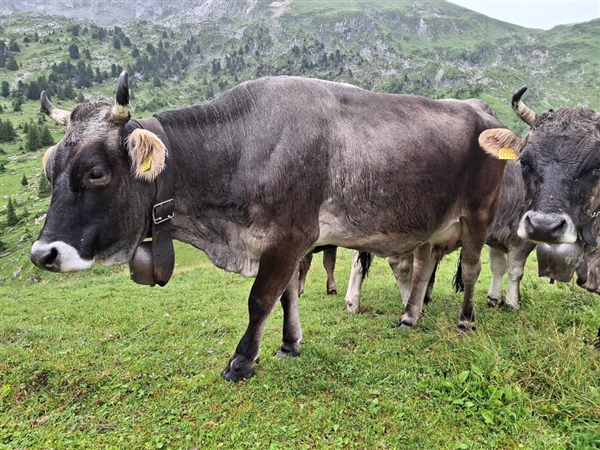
<point>586,230</point>
<point>163,253</point>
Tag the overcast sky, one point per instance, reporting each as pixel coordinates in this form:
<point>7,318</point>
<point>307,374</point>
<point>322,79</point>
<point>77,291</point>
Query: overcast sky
<point>543,14</point>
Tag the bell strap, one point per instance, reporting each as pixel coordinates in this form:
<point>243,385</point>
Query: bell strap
<point>163,253</point>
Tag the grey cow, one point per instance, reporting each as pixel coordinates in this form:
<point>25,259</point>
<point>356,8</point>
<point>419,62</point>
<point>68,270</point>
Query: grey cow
<point>508,252</point>
<point>560,159</point>
<point>388,174</point>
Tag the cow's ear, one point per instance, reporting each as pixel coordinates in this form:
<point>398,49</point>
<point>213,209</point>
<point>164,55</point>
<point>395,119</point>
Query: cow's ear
<point>148,154</point>
<point>46,159</point>
<point>501,143</point>
<point>47,156</point>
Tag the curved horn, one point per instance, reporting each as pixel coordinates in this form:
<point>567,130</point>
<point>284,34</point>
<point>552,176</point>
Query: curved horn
<point>60,116</point>
<point>520,109</point>
<point>122,110</point>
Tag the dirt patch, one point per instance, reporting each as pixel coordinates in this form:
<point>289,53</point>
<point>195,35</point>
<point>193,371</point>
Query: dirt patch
<point>278,8</point>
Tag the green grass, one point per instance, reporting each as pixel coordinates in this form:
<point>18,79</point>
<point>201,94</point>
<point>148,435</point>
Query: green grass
<point>92,360</point>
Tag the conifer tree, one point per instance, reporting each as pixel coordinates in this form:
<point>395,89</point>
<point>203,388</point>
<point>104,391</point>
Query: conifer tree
<point>74,51</point>
<point>24,181</point>
<point>44,188</point>
<point>11,215</point>
<point>7,131</point>
<point>46,137</point>
<point>34,141</point>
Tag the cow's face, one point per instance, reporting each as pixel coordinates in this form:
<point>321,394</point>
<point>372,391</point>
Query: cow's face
<point>560,161</point>
<point>101,191</point>
<point>561,170</point>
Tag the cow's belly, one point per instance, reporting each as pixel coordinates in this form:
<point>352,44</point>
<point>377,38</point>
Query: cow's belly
<point>335,230</point>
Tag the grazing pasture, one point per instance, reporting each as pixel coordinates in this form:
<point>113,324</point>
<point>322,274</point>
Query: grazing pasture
<point>92,360</point>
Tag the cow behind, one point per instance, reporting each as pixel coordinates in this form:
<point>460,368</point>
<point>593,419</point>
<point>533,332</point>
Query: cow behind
<point>387,174</point>
<point>508,252</point>
<point>560,159</point>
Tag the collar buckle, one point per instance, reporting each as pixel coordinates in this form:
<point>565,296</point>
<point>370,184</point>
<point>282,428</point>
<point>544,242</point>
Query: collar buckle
<point>159,215</point>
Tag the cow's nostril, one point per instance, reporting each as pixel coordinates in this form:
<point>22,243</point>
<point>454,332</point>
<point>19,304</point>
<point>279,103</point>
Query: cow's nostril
<point>529,228</point>
<point>549,228</point>
<point>45,256</point>
<point>49,258</point>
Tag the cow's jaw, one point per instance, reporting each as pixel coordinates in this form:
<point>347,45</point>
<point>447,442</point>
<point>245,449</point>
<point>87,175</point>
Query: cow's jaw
<point>58,256</point>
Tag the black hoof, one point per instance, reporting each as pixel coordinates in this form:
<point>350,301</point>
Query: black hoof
<point>282,354</point>
<point>405,325</point>
<point>332,292</point>
<point>238,373</point>
<point>466,328</point>
<point>494,302</point>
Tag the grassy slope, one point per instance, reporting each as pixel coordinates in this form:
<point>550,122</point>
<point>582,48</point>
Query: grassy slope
<point>94,361</point>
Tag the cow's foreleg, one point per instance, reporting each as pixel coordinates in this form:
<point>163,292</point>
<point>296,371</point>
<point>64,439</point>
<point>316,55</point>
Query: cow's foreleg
<point>474,231</point>
<point>329,256</point>
<point>517,257</point>
<point>423,266</point>
<point>274,274</point>
<point>498,266</point>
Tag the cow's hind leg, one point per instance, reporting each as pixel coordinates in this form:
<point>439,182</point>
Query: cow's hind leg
<point>423,267</point>
<point>274,274</point>
<point>474,232</point>
<point>329,255</point>
<point>292,331</point>
<point>429,292</point>
<point>304,268</point>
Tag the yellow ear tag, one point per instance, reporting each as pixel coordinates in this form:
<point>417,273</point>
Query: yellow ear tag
<point>147,163</point>
<point>507,153</point>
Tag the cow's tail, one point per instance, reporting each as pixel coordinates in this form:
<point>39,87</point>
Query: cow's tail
<point>365,262</point>
<point>457,281</point>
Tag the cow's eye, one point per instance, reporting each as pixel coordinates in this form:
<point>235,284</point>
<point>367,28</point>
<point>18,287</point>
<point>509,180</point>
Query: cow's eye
<point>96,174</point>
<point>588,174</point>
<point>527,166</point>
<point>97,177</point>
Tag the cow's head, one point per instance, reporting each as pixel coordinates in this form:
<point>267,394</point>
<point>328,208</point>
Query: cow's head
<point>102,194</point>
<point>560,160</point>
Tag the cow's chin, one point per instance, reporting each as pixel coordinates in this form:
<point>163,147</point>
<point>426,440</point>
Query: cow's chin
<point>117,258</point>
